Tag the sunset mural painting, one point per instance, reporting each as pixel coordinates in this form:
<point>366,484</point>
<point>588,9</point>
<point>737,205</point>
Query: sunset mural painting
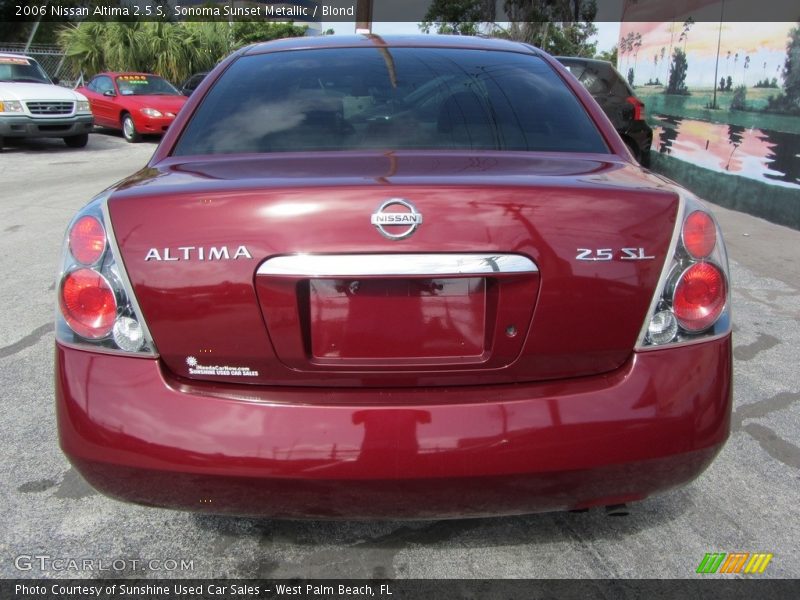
<point>724,103</point>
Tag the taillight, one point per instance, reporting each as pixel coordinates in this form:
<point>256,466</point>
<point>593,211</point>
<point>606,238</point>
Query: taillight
<point>96,305</point>
<point>691,302</point>
<point>87,240</point>
<point>699,297</point>
<point>88,303</point>
<point>638,107</point>
<point>699,234</point>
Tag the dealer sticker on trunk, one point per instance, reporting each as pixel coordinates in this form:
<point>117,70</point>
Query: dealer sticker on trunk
<point>195,368</point>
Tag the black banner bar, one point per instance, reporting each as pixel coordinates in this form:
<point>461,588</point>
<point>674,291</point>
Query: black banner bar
<point>411,11</point>
<point>702,588</point>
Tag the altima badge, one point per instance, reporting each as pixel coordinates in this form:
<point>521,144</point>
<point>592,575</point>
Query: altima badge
<point>402,223</point>
<point>198,253</point>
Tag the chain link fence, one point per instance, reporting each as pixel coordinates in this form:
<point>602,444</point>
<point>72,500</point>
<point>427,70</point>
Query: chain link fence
<point>50,57</point>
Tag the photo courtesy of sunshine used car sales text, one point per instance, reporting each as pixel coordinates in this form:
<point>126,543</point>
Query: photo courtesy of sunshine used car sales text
<point>204,589</point>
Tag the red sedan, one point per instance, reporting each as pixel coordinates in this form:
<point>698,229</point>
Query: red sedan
<point>136,103</point>
<point>392,277</point>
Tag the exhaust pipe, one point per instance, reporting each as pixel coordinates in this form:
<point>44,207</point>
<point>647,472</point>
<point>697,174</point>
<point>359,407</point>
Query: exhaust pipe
<point>617,510</point>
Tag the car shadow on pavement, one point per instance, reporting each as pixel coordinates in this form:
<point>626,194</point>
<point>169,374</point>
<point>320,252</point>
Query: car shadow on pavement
<point>100,140</point>
<point>269,548</point>
<point>117,133</point>
<point>538,528</point>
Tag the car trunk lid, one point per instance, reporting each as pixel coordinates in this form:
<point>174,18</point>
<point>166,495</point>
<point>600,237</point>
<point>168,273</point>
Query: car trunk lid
<point>274,270</point>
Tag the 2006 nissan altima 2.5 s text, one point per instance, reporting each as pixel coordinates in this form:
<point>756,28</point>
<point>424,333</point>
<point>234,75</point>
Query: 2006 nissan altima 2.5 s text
<point>368,277</point>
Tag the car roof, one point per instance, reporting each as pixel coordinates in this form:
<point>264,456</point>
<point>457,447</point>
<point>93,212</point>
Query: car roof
<point>382,41</point>
<point>118,73</point>
<point>14,55</point>
<point>587,61</point>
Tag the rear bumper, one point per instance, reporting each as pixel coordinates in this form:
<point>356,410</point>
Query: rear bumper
<point>23,126</point>
<point>136,434</point>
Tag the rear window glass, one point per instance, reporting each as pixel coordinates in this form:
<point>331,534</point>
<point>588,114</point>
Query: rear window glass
<point>395,98</point>
<point>599,79</point>
<point>589,77</point>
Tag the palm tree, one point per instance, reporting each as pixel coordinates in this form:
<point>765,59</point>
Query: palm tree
<point>744,71</point>
<point>213,39</point>
<point>687,25</point>
<point>669,52</point>
<point>125,46</point>
<point>174,50</point>
<point>167,50</point>
<point>655,67</point>
<point>626,47</point>
<point>631,39</point>
<point>81,47</point>
<point>637,43</point>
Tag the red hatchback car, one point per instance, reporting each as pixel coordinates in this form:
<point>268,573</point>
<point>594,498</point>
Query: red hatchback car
<point>392,277</point>
<point>136,103</point>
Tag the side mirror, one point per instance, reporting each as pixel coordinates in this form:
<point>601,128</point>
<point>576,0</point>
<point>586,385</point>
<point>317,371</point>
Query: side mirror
<point>56,80</point>
<point>109,93</point>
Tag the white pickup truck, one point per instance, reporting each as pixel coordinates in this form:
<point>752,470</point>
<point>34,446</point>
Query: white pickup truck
<point>32,106</point>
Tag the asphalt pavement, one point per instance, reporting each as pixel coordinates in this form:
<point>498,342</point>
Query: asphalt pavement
<point>746,501</point>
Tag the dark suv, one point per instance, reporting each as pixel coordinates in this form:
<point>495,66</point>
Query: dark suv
<point>617,100</point>
<point>189,86</point>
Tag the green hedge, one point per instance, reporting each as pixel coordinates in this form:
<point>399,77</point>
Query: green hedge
<point>771,202</point>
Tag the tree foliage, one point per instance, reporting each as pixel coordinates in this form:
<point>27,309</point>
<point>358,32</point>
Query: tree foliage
<point>561,27</point>
<point>677,73</point>
<point>609,55</point>
<point>173,50</point>
<point>457,17</point>
<point>789,100</point>
<point>791,69</point>
<point>12,30</point>
<point>739,100</point>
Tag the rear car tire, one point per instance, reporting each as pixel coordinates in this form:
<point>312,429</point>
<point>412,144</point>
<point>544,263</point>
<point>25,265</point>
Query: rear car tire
<point>637,154</point>
<point>644,160</point>
<point>129,129</point>
<point>77,141</point>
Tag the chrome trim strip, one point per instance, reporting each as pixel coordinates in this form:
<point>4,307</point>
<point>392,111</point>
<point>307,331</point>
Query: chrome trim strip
<point>669,259</point>
<point>691,342</point>
<point>126,282</point>
<point>388,265</point>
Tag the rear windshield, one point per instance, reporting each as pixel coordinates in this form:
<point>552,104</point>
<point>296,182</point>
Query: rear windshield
<point>396,98</point>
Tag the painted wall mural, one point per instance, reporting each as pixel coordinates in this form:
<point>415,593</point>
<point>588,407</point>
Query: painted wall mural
<point>720,95</point>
